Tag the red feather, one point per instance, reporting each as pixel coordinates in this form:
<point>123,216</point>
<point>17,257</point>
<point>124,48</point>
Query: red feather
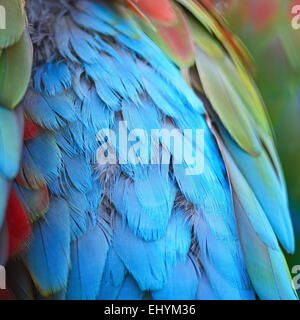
<point>31,130</point>
<point>178,38</point>
<point>17,224</point>
<point>160,12</point>
<point>261,12</point>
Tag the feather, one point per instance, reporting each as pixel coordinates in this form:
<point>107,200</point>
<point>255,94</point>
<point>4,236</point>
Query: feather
<point>35,202</point>
<point>266,266</point>
<point>15,66</point>
<point>11,131</point>
<point>4,187</point>
<point>163,14</point>
<point>95,114</point>
<point>88,256</point>
<point>148,221</point>
<point>88,20</point>
<point>31,130</point>
<point>222,259</point>
<point>227,103</point>
<point>85,47</point>
<point>17,224</point>
<point>50,112</point>
<point>15,23</point>
<point>267,188</point>
<point>113,277</point>
<point>77,173</point>
<point>105,14</point>
<point>181,285</point>
<point>48,257</point>
<point>52,78</point>
<point>130,290</point>
<point>79,215</point>
<point>174,38</point>
<point>41,161</point>
<point>204,290</point>
<point>255,228</point>
<point>156,258</point>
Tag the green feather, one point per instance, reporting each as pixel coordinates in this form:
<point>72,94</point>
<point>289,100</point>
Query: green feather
<point>265,262</point>
<point>15,21</point>
<point>227,102</point>
<point>15,71</point>
<point>267,267</point>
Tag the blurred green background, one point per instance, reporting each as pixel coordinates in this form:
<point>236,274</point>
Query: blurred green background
<point>265,27</point>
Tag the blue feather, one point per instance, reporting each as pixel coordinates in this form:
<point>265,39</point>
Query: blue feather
<point>130,290</point>
<point>69,35</point>
<point>155,258</point>
<point>222,260</point>
<point>83,139</point>
<point>77,173</point>
<point>79,217</point>
<point>88,256</point>
<point>52,78</point>
<point>95,114</point>
<point>48,257</point>
<point>91,22</point>
<point>266,185</point>
<point>102,12</point>
<point>150,223</point>
<point>65,141</point>
<point>4,187</point>
<point>113,277</point>
<point>181,285</point>
<point>106,15</point>
<point>204,290</point>
<point>34,201</point>
<point>50,112</point>
<point>41,160</point>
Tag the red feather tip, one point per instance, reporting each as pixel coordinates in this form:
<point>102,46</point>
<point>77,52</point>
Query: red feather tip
<point>18,225</point>
<point>178,38</point>
<point>31,130</point>
<point>162,12</point>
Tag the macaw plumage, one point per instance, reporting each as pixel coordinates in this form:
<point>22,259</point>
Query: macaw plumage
<point>275,46</point>
<point>78,229</point>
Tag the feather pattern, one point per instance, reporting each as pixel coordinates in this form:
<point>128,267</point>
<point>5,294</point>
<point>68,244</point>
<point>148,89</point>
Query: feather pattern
<point>134,230</point>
